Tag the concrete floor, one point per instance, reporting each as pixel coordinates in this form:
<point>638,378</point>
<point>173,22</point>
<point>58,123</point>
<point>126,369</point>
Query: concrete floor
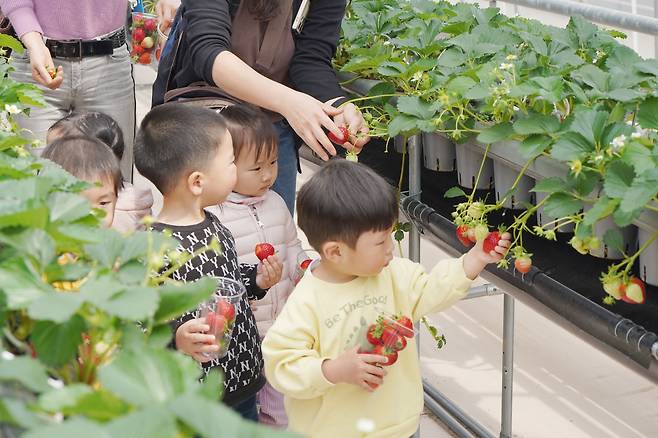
<point>563,387</point>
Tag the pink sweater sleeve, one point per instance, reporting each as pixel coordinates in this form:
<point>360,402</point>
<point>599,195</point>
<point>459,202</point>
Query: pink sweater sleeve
<point>22,16</point>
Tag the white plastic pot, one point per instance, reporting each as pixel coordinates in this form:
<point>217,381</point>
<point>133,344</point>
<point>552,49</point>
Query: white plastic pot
<point>629,237</point>
<point>648,258</point>
<point>438,153</point>
<point>398,144</point>
<point>504,177</point>
<point>468,166</point>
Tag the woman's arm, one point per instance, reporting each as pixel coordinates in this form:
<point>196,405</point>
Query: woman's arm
<point>209,37</point>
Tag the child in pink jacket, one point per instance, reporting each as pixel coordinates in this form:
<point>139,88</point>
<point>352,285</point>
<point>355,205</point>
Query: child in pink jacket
<point>133,203</point>
<point>255,214</point>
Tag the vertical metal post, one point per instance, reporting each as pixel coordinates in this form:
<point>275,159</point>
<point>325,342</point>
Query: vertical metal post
<point>655,38</point>
<point>508,367</point>
<point>415,163</point>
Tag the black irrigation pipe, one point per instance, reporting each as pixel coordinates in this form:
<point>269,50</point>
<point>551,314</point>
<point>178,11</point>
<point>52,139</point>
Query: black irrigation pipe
<point>623,335</point>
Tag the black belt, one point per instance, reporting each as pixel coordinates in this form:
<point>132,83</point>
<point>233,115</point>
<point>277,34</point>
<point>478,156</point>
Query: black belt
<point>82,49</point>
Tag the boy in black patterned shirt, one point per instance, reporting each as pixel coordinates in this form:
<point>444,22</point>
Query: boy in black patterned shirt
<point>187,153</point>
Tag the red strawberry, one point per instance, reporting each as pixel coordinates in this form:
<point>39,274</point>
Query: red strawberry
<point>523,264</point>
<point>138,34</point>
<point>390,354</point>
<point>399,344</point>
<point>145,58</point>
<point>150,25</point>
<point>345,136</point>
<point>405,327</point>
<point>491,242</point>
<point>462,235</point>
<point>304,265</point>
<point>220,325</point>
<point>264,250</point>
<point>634,292</point>
<point>226,309</point>
<point>374,334</point>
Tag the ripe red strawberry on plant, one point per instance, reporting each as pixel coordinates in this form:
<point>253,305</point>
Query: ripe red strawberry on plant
<point>264,250</point>
<point>342,140</point>
<point>491,241</point>
<point>462,235</point>
<point>634,291</point>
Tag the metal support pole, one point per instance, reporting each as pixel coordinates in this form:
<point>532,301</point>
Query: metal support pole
<point>655,38</point>
<point>446,418</point>
<point>485,290</point>
<point>415,163</point>
<point>508,367</point>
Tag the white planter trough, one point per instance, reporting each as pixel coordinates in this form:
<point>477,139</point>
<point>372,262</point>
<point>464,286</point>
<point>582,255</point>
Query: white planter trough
<point>438,153</point>
<point>543,219</point>
<point>504,177</point>
<point>648,258</point>
<point>468,166</point>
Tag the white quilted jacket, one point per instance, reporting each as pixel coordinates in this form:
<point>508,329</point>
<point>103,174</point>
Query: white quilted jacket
<point>264,219</point>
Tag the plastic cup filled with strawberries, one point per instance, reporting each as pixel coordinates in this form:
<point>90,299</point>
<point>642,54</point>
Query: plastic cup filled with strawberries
<point>387,336</point>
<point>220,311</point>
<point>144,36</point>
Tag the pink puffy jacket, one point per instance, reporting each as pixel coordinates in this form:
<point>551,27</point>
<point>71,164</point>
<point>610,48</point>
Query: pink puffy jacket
<point>133,204</point>
<point>264,219</point>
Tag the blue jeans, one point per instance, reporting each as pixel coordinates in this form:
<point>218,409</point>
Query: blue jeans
<point>247,409</point>
<point>286,181</point>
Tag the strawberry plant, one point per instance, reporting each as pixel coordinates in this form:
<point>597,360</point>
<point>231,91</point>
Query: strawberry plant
<point>85,319</point>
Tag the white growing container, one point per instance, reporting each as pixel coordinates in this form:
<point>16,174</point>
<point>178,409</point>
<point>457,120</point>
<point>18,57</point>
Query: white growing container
<point>468,166</point>
<point>504,177</point>
<point>648,258</point>
<point>438,152</point>
<point>543,219</point>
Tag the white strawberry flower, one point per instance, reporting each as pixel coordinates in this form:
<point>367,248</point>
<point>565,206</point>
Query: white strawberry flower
<point>12,109</point>
<point>510,57</point>
<point>506,66</point>
<point>618,143</point>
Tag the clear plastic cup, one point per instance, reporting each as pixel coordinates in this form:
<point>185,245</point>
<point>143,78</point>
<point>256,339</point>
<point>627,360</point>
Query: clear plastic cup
<point>144,38</point>
<point>220,312</point>
<point>304,259</point>
<point>387,336</point>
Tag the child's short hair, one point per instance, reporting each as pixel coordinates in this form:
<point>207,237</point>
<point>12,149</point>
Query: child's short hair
<point>250,127</point>
<point>86,158</point>
<point>91,124</point>
<point>344,200</point>
<point>175,138</point>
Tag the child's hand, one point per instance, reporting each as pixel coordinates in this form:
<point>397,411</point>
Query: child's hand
<point>191,339</point>
<point>269,272</point>
<point>356,368</point>
<point>477,258</point>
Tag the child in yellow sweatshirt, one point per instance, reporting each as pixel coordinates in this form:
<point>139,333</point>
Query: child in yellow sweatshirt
<point>312,352</point>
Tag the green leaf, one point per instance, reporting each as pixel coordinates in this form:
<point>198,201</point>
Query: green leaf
<point>638,156</point>
<point>55,306</point>
<point>29,372</point>
<point>559,205</point>
<point>56,344</point>
<point>214,379</point>
<point>68,207</point>
<point>534,145</point>
<point>618,179</point>
<point>625,94</point>
<point>537,124</point>
<point>589,123</point>
<point>15,213</point>
<point>134,304</point>
<point>149,376</point>
<point>160,336</point>
<point>108,249</point>
<point>452,57</point>
<point>178,299</point>
<point>647,114</point>
<point>392,69</point>
<point>592,76</point>
<point>549,185</point>
<point>398,235</point>
<point>402,124</point>
<point>642,190</point>
<point>460,85</point>
<point>12,43</point>
<point>415,106</point>
<point>59,399</point>
<point>382,88</point>
<point>74,428</point>
<point>100,405</point>
<point>454,192</point>
<point>602,208</point>
<point>34,242</point>
<point>20,284</point>
<point>614,239</point>
<point>571,146</point>
<point>493,134</point>
<point>154,421</point>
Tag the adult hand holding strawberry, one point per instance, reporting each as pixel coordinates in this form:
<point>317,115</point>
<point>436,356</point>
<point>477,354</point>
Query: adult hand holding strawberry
<point>269,272</point>
<point>43,68</point>
<point>488,249</point>
<point>356,368</point>
<point>352,118</point>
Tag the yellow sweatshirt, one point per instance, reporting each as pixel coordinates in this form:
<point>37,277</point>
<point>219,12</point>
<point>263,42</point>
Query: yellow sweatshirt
<point>321,320</point>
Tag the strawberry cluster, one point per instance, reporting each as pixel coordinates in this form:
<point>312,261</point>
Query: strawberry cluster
<point>388,336</point>
<point>144,32</point>
<point>221,321</point>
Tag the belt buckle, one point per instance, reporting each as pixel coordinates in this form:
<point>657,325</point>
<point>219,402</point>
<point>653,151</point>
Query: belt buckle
<point>79,50</point>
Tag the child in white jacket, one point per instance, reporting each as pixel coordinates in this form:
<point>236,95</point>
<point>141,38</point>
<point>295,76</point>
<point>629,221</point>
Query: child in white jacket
<point>255,214</point>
